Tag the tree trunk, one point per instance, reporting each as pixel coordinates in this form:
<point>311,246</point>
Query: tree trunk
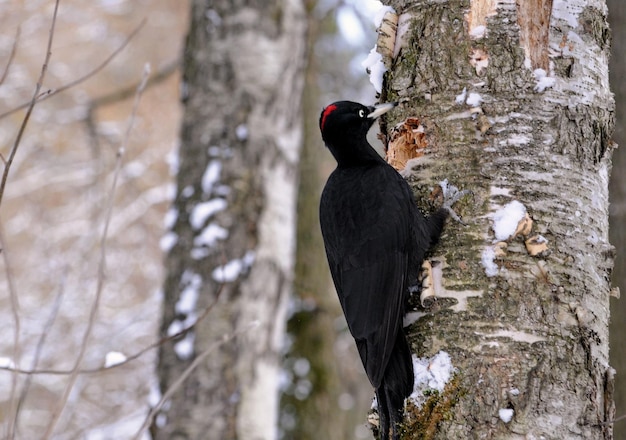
<point>523,317</point>
<point>233,218</point>
<point>617,191</point>
<point>311,403</point>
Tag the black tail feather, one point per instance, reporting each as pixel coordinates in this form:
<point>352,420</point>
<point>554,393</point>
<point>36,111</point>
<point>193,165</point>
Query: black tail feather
<point>397,385</point>
<point>435,222</point>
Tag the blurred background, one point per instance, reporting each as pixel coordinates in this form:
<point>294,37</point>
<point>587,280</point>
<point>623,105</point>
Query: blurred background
<point>59,189</point>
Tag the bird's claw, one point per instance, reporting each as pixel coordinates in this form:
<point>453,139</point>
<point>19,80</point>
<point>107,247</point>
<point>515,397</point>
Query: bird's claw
<point>451,195</point>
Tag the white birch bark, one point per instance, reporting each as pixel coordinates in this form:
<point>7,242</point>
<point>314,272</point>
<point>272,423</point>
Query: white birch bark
<point>512,100</point>
<point>235,215</point>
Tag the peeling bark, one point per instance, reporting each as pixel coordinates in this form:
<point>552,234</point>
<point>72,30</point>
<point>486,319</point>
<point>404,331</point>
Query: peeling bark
<point>406,141</point>
<point>533,18</point>
<point>530,332</point>
<point>235,217</point>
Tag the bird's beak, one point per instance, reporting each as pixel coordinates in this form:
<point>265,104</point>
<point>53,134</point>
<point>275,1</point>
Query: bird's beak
<point>381,109</point>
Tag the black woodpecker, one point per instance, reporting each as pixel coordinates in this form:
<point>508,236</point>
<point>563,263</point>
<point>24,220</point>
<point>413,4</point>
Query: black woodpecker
<point>375,239</point>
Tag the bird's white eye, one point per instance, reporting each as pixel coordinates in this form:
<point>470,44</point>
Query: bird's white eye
<point>361,113</point>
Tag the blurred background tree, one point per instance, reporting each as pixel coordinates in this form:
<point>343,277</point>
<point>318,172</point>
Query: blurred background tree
<point>53,211</point>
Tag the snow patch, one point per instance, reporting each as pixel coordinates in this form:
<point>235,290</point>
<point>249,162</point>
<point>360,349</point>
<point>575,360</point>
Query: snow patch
<point>375,67</point>
<point>202,211</point>
<point>114,358</point>
<point>230,271</point>
<point>210,235</point>
<point>161,420</point>
<point>199,253</point>
<point>430,374</point>
<point>301,367</point>
<point>154,396</point>
<point>175,327</point>
<point>380,14</point>
<point>211,176</point>
<point>506,219</point>
<point>460,98</point>
<point>188,191</point>
<point>241,131</point>
<point>188,298</point>
<point>474,99</point>
<point>543,80</point>
<point>184,348</point>
<point>6,362</point>
<point>411,318</point>
<point>505,414</point>
<point>170,218</point>
<point>168,241</point>
<point>487,260</point>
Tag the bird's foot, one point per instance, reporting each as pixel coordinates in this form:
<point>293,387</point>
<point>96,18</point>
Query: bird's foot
<point>451,195</point>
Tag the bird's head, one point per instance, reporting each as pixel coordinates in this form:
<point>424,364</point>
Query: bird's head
<point>346,121</point>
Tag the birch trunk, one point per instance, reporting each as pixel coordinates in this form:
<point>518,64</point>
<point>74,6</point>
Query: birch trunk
<point>233,219</point>
<point>525,321</point>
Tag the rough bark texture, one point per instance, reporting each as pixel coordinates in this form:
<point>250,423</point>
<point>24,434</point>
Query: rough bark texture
<point>532,337</point>
<point>234,217</point>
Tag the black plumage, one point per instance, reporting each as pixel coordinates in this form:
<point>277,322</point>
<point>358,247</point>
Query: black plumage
<point>375,239</point>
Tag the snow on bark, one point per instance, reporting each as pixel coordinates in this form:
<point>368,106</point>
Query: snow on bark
<point>236,224</point>
<point>539,136</point>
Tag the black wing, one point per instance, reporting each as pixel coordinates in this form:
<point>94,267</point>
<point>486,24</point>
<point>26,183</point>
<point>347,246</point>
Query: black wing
<point>367,220</point>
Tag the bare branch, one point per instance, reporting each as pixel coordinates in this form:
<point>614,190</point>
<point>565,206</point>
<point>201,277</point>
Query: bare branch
<point>179,381</point>
<point>11,56</point>
<point>128,359</point>
<point>31,105</point>
<point>101,266</point>
<point>5,175</point>
<point>127,92</point>
<point>40,344</point>
<point>15,312</point>
<point>49,93</point>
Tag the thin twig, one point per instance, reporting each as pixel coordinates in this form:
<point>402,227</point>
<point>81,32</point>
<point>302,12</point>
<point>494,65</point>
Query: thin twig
<point>128,359</point>
<point>49,93</point>
<point>58,299</point>
<point>31,105</point>
<point>5,175</point>
<point>128,91</point>
<point>179,381</point>
<point>102,264</point>
<point>15,312</point>
<point>11,56</point>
